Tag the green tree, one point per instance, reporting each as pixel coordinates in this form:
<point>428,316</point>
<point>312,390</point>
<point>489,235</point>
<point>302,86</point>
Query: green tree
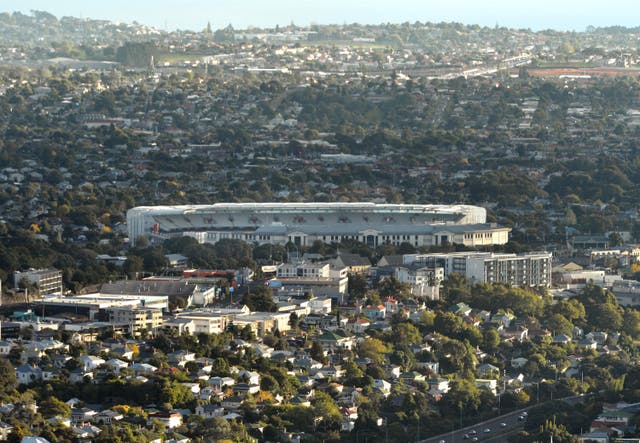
<point>327,411</point>
<point>631,323</point>
<point>405,334</point>
<point>317,352</point>
<point>260,299</point>
<point>615,239</point>
<point>374,349</point>
<point>357,285</point>
<point>8,379</point>
<point>491,340</point>
<point>606,317</point>
<point>294,321</point>
<point>268,383</point>
<point>391,287</point>
<point>572,310</point>
<point>220,367</point>
<point>133,265</point>
<point>463,395</point>
<point>52,407</point>
<point>558,324</point>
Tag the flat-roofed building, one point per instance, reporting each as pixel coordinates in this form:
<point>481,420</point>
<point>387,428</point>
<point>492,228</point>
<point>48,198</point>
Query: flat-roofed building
<point>179,291</point>
<point>304,270</point>
<point>304,223</point>
<point>264,322</point>
<point>205,321</point>
<point>94,306</point>
<point>48,281</point>
<point>522,270</point>
<point>137,317</point>
<point>216,321</point>
<point>334,288</point>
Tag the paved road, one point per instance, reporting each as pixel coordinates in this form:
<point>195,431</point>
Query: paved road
<point>499,428</point>
<point>497,433</point>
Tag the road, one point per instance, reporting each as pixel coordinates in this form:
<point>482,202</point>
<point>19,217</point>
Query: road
<point>497,433</point>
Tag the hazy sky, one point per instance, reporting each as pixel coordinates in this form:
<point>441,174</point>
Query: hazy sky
<point>194,14</point>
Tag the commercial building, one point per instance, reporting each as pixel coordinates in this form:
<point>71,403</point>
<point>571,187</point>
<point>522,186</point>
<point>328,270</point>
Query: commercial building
<point>627,292</point>
<point>179,291</point>
<point>304,223</point>
<point>216,321</point>
<point>304,270</point>
<point>335,288</point>
<point>96,306</point>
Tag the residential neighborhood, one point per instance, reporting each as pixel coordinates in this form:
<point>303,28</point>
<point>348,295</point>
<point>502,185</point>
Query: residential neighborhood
<point>324,233</point>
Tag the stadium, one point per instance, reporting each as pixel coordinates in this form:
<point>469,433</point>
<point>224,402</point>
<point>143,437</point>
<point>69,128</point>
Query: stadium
<point>304,223</point>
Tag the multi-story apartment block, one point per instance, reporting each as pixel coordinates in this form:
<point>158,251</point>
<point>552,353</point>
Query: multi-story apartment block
<point>137,317</point>
<point>521,270</point>
<point>304,270</point>
<point>48,281</point>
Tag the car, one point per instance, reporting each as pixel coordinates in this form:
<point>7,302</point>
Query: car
<point>487,430</point>
<point>473,432</point>
<point>521,417</point>
<point>442,441</point>
<point>525,414</point>
<point>474,439</point>
<point>503,425</point>
<point>466,436</point>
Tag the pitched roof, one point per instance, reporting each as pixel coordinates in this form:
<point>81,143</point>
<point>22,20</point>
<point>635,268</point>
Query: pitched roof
<point>353,259</point>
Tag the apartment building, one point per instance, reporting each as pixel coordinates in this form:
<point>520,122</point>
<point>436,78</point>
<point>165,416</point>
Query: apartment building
<point>137,317</point>
<point>520,270</point>
<point>48,281</point>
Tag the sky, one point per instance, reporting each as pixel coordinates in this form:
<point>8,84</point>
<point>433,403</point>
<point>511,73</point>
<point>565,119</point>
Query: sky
<point>194,14</point>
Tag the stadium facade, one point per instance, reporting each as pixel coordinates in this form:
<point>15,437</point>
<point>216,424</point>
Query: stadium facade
<point>303,223</point>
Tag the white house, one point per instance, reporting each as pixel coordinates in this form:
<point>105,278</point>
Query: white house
<point>383,385</point>
<point>26,374</point>
<point>358,325</point>
<point>5,347</point>
<point>143,368</point>
<point>250,377</point>
<point>169,420</point>
<point>209,411</point>
<point>90,362</point>
<point>116,365</point>
<point>438,386</point>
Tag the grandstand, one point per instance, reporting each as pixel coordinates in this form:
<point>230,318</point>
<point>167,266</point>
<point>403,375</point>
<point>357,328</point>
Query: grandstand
<point>304,223</point>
